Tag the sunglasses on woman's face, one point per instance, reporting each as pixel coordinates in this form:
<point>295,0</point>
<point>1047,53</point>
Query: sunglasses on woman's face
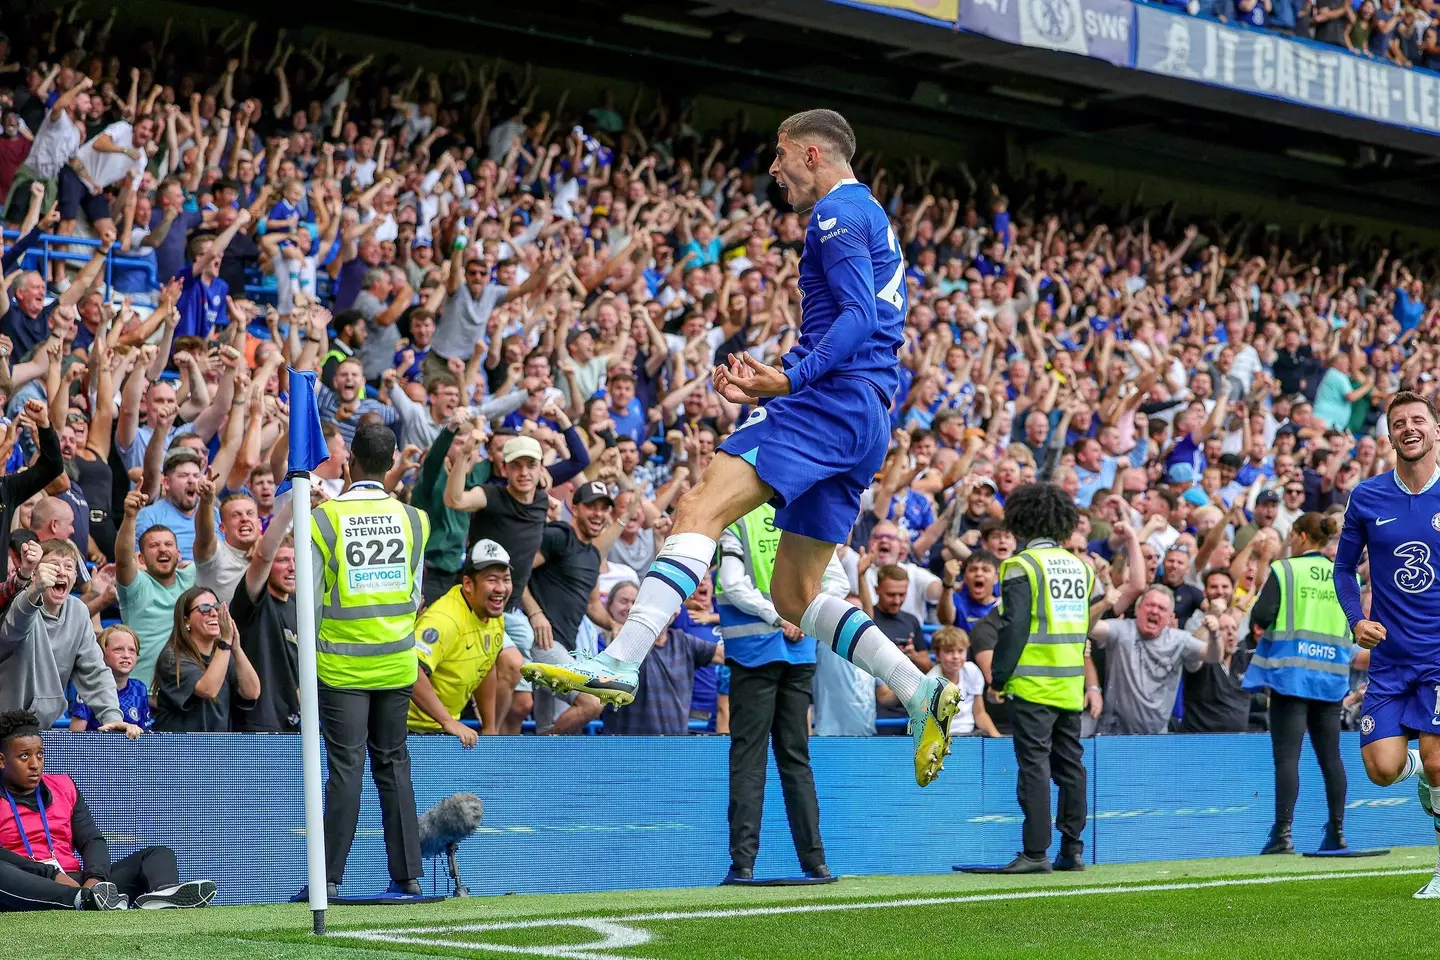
<point>205,608</point>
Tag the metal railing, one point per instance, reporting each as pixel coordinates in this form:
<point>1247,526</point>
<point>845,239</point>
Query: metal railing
<point>53,247</point>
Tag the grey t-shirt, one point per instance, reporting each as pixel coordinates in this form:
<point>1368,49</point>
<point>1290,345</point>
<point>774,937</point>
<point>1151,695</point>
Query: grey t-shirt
<point>1142,677</point>
<point>223,571</point>
<point>463,320</point>
<point>377,353</point>
<point>637,555</point>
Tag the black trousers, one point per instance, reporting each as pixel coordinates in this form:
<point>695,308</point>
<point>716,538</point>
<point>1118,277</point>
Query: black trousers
<point>1047,745</point>
<point>1290,717</point>
<point>352,722</point>
<point>770,704</point>
<point>28,887</point>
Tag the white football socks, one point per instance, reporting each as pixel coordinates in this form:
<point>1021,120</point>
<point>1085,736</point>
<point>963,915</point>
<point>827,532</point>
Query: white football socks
<point>1413,766</point>
<point>846,630</point>
<point>683,561</point>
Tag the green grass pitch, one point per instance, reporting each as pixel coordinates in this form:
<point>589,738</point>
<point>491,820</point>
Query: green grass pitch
<point>1271,908</point>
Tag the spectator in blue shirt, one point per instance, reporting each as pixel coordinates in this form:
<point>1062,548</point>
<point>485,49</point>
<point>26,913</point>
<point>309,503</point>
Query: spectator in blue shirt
<point>975,595</point>
<point>1410,305</point>
<point>121,650</point>
<point>202,298</point>
<point>625,410</point>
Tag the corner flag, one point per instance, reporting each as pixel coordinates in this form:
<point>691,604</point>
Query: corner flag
<point>307,443</point>
<point>307,451</point>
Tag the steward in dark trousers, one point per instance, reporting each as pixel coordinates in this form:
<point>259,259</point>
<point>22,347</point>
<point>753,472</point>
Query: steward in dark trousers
<point>368,547</point>
<point>1039,668</point>
<point>772,666</point>
<point>1303,659</point>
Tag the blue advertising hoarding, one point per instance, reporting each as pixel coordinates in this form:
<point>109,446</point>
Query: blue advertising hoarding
<point>231,807</point>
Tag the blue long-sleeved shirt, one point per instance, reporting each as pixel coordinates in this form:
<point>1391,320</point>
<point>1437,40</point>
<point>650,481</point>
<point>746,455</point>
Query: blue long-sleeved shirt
<point>852,279</point>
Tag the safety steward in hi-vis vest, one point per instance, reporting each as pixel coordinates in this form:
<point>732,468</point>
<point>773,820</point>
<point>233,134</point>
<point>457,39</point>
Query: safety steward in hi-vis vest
<point>772,669</point>
<point>1303,658</point>
<point>368,548</point>
<point>1039,667</point>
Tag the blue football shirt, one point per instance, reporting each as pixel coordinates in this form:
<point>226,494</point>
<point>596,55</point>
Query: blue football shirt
<point>853,295</point>
<point>1401,531</point>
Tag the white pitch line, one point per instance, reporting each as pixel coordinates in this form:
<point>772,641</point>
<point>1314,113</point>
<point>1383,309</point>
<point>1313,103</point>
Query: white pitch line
<point>407,934</point>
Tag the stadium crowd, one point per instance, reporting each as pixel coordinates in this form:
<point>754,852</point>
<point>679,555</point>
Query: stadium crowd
<point>1402,33</point>
<point>531,292</point>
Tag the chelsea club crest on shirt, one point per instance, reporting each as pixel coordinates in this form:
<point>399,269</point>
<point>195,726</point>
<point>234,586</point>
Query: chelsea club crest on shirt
<point>1435,522</point>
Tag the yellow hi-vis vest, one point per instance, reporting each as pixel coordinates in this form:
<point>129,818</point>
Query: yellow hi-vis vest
<point>1051,669</point>
<point>760,539</point>
<point>369,546</point>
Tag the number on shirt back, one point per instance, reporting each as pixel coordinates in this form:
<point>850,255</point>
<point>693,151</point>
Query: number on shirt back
<point>1417,575</point>
<point>893,292</point>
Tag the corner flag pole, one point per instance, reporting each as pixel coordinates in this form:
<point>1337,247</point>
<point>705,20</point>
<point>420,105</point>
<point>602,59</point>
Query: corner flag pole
<point>307,450</point>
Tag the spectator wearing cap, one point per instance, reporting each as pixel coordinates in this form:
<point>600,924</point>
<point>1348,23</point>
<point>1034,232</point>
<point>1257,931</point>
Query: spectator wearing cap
<point>566,587</point>
<point>510,510</point>
<point>1267,509</point>
<point>459,638</point>
<point>179,499</point>
<point>1179,477</point>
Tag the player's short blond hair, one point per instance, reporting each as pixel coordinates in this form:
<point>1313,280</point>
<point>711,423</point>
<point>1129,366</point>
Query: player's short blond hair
<point>826,126</point>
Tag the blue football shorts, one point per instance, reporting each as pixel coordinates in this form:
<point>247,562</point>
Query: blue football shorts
<point>819,449</point>
<point>1401,700</point>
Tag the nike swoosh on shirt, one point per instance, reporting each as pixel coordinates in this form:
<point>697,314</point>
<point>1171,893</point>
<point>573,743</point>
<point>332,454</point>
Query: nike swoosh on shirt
<point>1381,523</point>
<point>827,224</point>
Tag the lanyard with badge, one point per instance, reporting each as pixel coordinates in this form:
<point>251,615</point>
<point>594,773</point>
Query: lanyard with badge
<point>44,824</point>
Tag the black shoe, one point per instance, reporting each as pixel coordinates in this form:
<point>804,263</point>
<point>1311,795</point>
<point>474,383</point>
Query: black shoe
<point>411,888</point>
<point>1027,864</point>
<point>1334,838</point>
<point>821,872</point>
<point>736,875</point>
<point>103,896</point>
<point>332,890</point>
<point>1073,862</point>
<point>196,893</point>
<point>1279,840</point>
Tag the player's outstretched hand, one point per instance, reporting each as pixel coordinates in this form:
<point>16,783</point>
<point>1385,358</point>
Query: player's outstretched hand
<point>1368,633</point>
<point>763,380</point>
<point>730,388</point>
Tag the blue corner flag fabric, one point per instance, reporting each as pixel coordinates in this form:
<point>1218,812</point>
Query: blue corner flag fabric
<point>307,443</point>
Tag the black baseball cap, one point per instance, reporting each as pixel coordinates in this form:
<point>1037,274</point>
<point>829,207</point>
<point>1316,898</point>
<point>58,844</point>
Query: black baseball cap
<point>1267,496</point>
<point>592,491</point>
